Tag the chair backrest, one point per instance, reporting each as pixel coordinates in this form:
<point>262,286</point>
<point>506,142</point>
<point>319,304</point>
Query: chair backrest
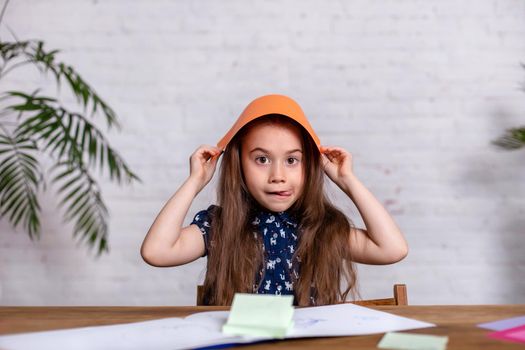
<point>400,297</point>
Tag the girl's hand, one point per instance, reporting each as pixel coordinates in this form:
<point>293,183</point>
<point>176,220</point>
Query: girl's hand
<point>203,162</point>
<point>337,163</point>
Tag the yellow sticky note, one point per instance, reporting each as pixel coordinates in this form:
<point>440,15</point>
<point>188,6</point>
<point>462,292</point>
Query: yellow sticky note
<point>410,341</point>
<point>260,315</point>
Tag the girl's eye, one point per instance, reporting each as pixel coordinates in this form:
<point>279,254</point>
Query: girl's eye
<point>292,161</point>
<point>262,160</point>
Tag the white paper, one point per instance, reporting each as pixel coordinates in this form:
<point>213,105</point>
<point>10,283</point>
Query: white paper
<point>204,329</point>
<point>168,333</point>
<point>330,320</point>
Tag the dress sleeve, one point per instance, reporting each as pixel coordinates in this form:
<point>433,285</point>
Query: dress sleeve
<point>203,220</point>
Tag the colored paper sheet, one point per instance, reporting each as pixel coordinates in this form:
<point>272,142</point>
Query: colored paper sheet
<point>260,315</point>
<point>516,334</point>
<point>409,341</point>
<point>507,323</point>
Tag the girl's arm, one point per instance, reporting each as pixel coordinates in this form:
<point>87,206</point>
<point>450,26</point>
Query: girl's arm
<point>382,242</point>
<point>167,242</point>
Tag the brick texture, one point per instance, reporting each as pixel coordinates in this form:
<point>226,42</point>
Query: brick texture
<point>416,90</point>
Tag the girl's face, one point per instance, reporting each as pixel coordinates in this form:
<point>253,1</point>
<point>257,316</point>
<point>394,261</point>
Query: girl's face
<point>272,163</point>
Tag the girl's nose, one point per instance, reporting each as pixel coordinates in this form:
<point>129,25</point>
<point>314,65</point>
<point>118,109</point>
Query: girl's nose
<point>277,173</point>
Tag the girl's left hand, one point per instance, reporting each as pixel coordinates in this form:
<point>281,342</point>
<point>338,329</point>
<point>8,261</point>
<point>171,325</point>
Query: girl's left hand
<point>337,163</point>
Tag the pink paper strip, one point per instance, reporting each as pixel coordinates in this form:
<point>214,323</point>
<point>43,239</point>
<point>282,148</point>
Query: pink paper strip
<point>516,334</point>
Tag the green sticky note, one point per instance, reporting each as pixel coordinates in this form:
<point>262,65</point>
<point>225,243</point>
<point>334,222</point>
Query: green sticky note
<point>260,315</point>
<point>410,341</point>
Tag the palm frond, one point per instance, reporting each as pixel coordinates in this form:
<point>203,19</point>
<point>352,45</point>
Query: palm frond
<point>20,178</point>
<point>40,124</point>
<point>513,139</point>
<point>12,50</point>
<point>65,133</point>
<point>85,206</point>
<point>15,54</point>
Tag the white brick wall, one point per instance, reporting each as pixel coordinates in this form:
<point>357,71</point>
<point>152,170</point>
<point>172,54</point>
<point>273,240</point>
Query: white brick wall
<point>415,89</point>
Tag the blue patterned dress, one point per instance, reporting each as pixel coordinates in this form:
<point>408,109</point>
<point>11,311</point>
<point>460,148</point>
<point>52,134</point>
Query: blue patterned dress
<point>279,235</point>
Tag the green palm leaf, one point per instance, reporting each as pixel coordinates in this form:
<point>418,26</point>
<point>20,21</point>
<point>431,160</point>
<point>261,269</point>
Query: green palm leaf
<point>85,206</point>
<point>513,139</point>
<point>41,125</point>
<point>77,145</point>
<point>71,134</point>
<point>20,177</point>
<point>33,52</point>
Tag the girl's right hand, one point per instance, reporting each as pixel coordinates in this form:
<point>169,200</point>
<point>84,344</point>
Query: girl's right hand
<point>203,162</point>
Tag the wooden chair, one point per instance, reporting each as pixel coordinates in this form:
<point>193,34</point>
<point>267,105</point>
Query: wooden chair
<point>400,297</point>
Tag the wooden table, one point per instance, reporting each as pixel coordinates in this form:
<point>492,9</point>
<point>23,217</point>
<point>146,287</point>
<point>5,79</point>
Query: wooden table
<point>457,321</point>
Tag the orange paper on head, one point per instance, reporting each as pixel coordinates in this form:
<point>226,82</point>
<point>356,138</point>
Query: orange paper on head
<point>269,104</point>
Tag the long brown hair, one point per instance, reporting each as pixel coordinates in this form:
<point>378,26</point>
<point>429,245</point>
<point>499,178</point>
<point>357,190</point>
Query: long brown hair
<point>235,255</point>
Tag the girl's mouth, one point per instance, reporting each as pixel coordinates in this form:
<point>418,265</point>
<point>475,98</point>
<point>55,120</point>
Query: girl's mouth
<point>281,193</point>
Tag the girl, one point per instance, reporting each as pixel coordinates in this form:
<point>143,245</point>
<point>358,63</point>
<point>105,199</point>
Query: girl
<point>273,230</point>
